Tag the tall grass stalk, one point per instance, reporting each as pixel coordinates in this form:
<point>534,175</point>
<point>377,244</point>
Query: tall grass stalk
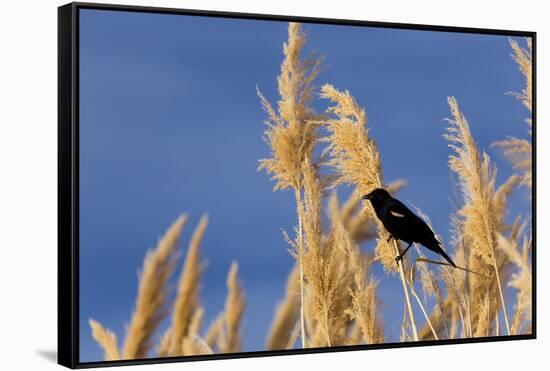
<point>356,161</point>
<point>406,291</point>
<point>419,302</point>
<point>291,134</point>
<point>477,178</point>
<point>299,257</point>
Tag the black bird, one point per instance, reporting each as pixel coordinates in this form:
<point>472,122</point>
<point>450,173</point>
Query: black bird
<point>402,224</point>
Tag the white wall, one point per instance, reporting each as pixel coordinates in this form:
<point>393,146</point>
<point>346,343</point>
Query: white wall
<point>28,150</point>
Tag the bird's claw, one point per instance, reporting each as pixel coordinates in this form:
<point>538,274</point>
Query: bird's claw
<point>398,258</point>
<point>389,239</point>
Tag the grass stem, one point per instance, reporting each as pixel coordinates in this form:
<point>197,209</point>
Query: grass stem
<point>406,291</point>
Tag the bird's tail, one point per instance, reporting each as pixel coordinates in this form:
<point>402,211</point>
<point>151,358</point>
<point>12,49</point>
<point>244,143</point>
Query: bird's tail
<point>443,254</point>
<point>435,246</point>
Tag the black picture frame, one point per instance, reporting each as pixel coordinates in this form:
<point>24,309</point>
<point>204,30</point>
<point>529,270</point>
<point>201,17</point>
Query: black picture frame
<point>68,182</point>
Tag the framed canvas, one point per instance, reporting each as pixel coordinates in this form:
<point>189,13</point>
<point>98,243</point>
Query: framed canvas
<point>242,185</point>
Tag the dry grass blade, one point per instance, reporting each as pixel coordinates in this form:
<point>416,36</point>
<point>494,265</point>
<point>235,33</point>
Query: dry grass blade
<point>151,300</point>
<point>187,299</point>
<point>425,260</point>
<point>107,340</point>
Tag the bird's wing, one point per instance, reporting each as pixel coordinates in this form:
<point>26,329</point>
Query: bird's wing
<point>397,214</point>
<point>414,227</point>
<point>401,212</point>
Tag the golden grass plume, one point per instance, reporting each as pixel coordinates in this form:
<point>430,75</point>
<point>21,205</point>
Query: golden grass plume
<point>319,258</point>
<point>187,299</point>
<point>106,339</point>
<point>520,150</point>
<point>291,134</point>
<point>284,325</point>
<point>224,334</point>
<point>152,293</point>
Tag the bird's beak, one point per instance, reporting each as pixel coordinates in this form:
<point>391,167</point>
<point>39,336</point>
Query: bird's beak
<point>366,197</point>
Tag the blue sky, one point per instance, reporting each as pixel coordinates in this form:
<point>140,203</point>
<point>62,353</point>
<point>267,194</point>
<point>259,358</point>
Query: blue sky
<point>170,123</point>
